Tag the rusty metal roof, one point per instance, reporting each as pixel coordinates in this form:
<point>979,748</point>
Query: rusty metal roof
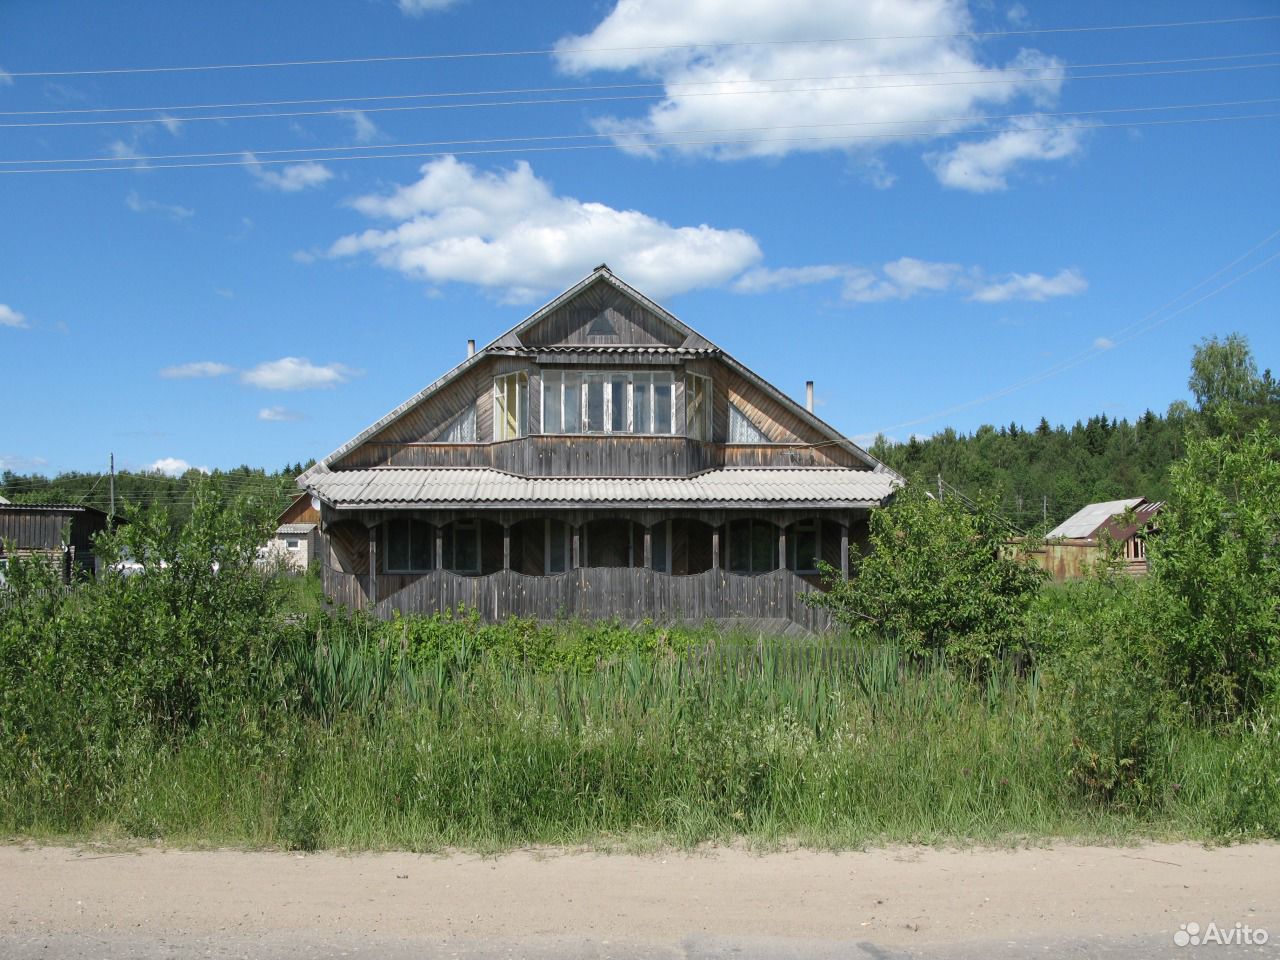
<point>1089,521</point>
<point>482,487</point>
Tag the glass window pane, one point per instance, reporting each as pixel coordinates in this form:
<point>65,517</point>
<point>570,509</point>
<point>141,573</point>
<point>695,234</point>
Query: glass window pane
<point>764,547</point>
<point>595,402</point>
<point>805,552</point>
<point>552,418</point>
<point>740,546</point>
<point>422,546</point>
<point>641,409</point>
<point>397,545</point>
<point>658,544</point>
<point>572,403</point>
<point>466,554</point>
<point>662,405</point>
<point>557,550</point>
<point>697,407</point>
<point>522,405</point>
<point>618,402</point>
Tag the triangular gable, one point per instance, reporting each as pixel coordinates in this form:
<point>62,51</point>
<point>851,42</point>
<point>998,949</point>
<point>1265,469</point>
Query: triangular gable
<point>600,286</point>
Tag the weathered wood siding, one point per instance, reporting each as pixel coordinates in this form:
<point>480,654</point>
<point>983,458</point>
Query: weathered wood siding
<point>34,530</point>
<point>571,324</point>
<point>591,594</point>
<point>615,455</point>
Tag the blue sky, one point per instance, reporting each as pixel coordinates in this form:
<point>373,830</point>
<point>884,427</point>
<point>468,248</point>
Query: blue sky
<point>916,217</point>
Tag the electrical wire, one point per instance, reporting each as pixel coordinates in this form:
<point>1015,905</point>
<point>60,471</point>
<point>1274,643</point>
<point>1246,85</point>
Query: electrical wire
<point>583,136</point>
<point>676,84</point>
<point>560,101</point>
<point>250,161</point>
<point>562,51</point>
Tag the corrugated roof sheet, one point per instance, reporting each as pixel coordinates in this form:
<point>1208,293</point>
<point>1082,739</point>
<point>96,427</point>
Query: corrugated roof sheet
<point>295,528</point>
<point>1086,522</point>
<point>402,487</point>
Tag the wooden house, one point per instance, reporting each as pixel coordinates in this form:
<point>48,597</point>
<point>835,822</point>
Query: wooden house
<point>62,532</point>
<point>599,459</point>
<point>1076,544</point>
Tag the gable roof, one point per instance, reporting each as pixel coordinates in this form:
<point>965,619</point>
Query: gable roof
<point>1089,521</point>
<point>694,344</point>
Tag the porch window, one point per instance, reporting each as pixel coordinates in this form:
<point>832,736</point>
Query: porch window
<point>697,405</point>
<point>556,543</point>
<point>804,544</point>
<point>660,545</point>
<point>753,546</point>
<point>461,547</point>
<point>606,402</point>
<point>410,545</point>
<point>510,406</point>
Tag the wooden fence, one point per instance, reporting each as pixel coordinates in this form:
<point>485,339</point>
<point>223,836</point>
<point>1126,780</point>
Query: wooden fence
<point>768,601</point>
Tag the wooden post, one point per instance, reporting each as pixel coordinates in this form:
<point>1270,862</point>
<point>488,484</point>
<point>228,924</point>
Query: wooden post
<point>715,548</point>
<point>576,563</point>
<point>439,547</point>
<point>782,547</point>
<point>648,549</point>
<point>844,551</point>
<point>506,546</point>
<point>373,565</point>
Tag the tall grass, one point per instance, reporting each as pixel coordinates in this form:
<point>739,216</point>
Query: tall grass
<point>832,747</point>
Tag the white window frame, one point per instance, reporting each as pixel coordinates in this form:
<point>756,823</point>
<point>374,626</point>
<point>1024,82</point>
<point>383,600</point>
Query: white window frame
<point>500,390</point>
<point>292,545</point>
<point>559,381</point>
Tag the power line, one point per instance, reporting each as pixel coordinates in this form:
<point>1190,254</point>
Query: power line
<point>512,91</point>
<point>980,118</point>
<point>561,51</point>
<point>251,161</point>
<point>560,101</point>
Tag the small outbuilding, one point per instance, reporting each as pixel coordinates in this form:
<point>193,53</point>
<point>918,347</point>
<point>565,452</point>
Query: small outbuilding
<point>1074,545</point>
<point>63,532</point>
<point>297,539</point>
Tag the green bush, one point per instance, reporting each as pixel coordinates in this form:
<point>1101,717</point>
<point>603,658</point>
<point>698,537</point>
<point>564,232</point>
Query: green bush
<point>938,579</point>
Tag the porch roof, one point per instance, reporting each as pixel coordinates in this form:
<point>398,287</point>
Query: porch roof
<point>392,487</point>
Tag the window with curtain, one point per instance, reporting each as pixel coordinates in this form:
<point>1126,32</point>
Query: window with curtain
<point>463,428</point>
<point>741,429</point>
<point>697,406</point>
<point>510,406</point>
<point>410,545</point>
<point>607,402</point>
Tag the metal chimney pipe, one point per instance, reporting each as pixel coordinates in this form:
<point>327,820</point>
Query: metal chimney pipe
<point>808,395</point>
<point>471,348</point>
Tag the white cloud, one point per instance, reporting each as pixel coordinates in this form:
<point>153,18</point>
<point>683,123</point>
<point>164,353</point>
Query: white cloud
<point>225,293</point>
<point>10,317</point>
<point>289,178</point>
<point>984,166</point>
<point>200,368</point>
<point>279,415</point>
<point>1104,343</point>
<point>1032,286</point>
<point>416,8</point>
<point>909,277</point>
<point>5,78</point>
<point>20,464</point>
<point>173,466</point>
<point>172,210</point>
<point>850,96</point>
<point>1018,15</point>
<point>363,129</point>
<point>509,231</point>
<point>296,373</point>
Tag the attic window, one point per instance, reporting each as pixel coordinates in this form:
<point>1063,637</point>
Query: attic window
<point>602,326</point>
<point>463,428</point>
<point>510,406</point>
<point>742,430</point>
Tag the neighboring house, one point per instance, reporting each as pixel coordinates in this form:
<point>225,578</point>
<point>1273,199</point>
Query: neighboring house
<point>599,459</point>
<point>63,532</point>
<point>1076,543</point>
<point>297,539</point>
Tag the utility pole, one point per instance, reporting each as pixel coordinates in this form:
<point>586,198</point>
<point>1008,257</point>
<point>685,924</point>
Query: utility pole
<point>1044,509</point>
<point>939,487</point>
<point>111,513</point>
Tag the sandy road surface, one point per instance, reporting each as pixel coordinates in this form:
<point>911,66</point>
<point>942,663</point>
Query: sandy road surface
<point>881,903</point>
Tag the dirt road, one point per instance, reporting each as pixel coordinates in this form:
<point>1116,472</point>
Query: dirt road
<point>892,902</point>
